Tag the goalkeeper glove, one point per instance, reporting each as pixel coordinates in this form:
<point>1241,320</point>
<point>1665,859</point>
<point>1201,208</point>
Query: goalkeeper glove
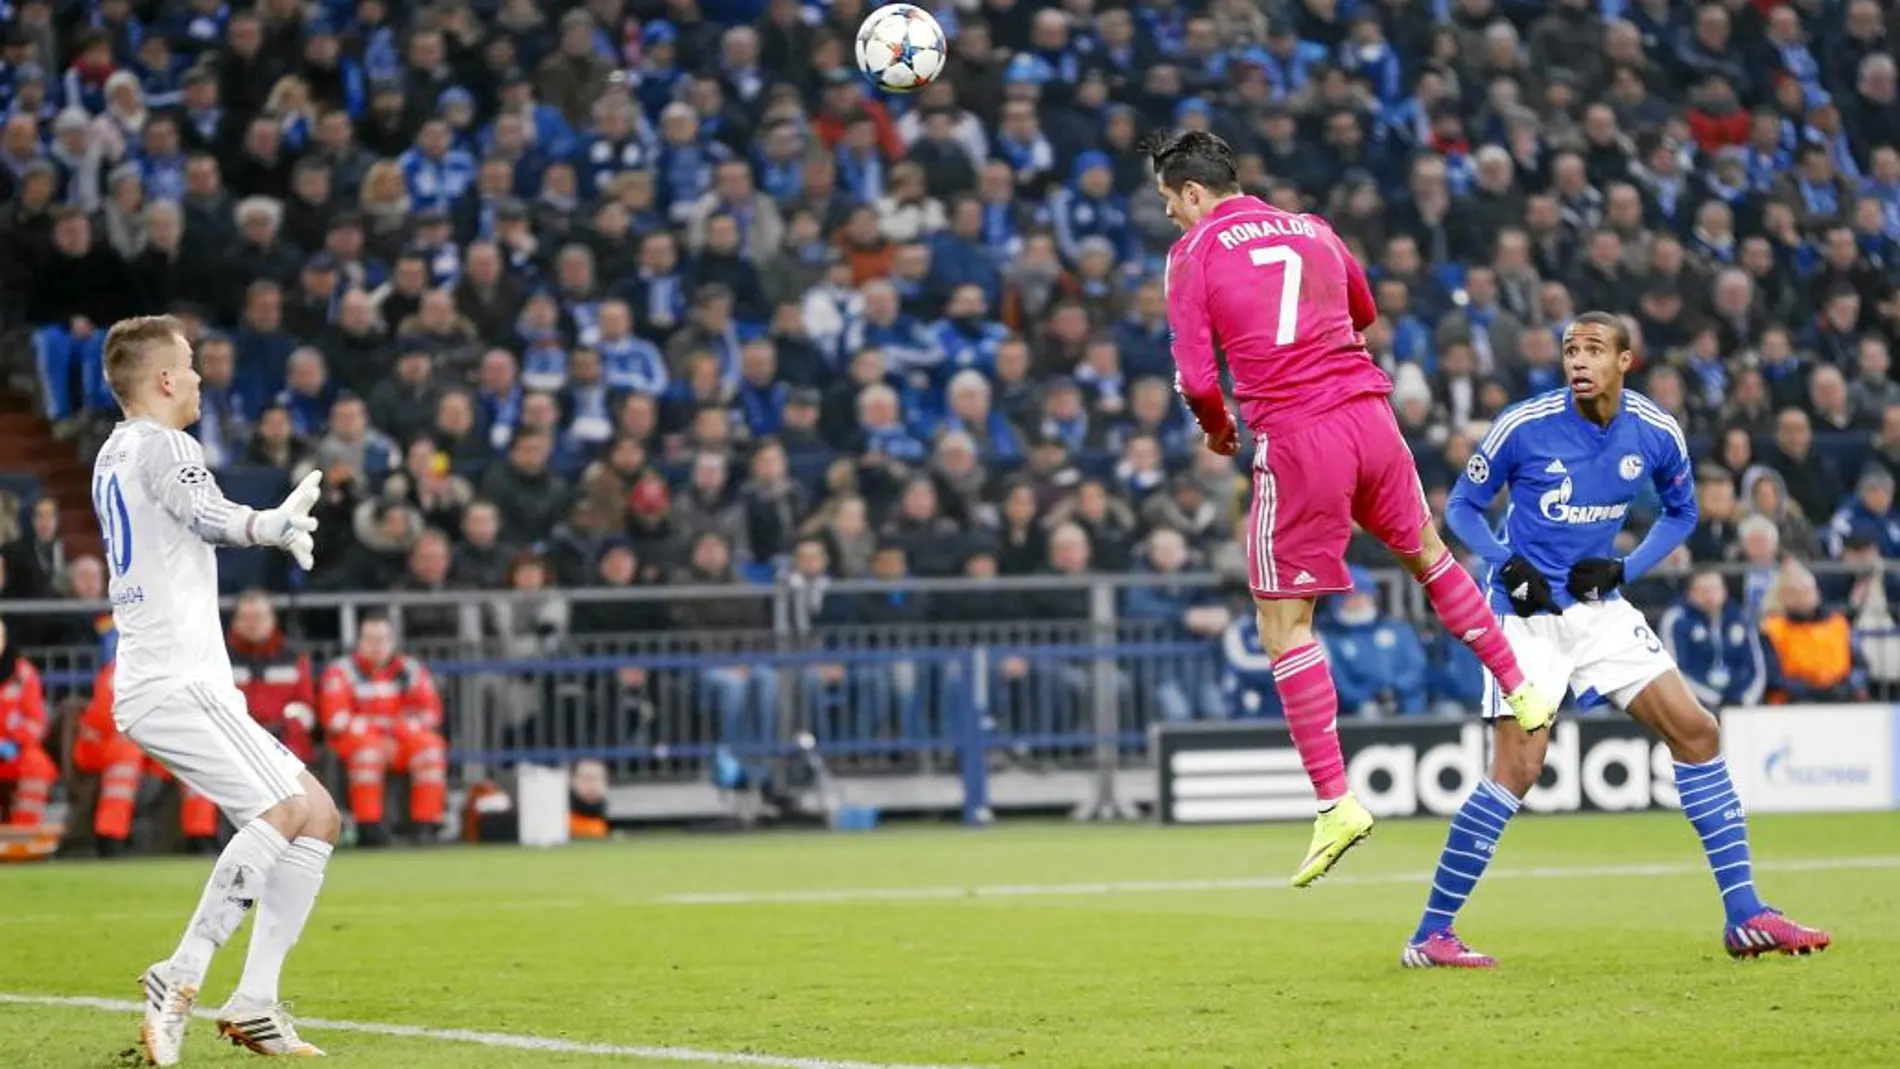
<point>1595,578</point>
<point>288,526</point>
<point>1527,588</point>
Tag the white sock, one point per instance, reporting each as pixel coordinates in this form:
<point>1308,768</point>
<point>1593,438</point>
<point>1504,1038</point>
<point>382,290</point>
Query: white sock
<point>289,896</point>
<point>235,885</point>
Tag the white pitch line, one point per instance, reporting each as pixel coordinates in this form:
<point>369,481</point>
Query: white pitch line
<point>346,909</point>
<point>503,1040</point>
<point>951,892</point>
<point>1149,887</point>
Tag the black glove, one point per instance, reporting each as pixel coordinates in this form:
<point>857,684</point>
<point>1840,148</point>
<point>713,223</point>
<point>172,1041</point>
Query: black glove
<point>1527,588</point>
<point>1595,578</point>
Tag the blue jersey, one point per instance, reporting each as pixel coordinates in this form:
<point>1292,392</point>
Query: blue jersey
<point>1571,485</point>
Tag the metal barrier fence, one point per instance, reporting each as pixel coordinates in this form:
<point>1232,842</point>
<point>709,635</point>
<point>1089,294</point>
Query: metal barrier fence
<point>1075,694</point>
<point>925,700</point>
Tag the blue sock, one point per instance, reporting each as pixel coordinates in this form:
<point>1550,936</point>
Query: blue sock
<point>1710,803</point>
<point>1475,832</point>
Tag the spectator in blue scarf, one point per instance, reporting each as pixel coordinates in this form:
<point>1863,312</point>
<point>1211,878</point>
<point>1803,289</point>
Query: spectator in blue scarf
<point>308,393</point>
<point>967,335</point>
<point>969,411</point>
<point>587,403</point>
<point>658,74</point>
<point>882,436</point>
<point>907,344</point>
<point>685,162</point>
<point>1089,207</point>
<point>619,142</point>
<point>958,255</point>
<point>437,174</point>
<point>628,361</point>
<point>1819,195</point>
<point>761,395</point>
<point>1369,56</point>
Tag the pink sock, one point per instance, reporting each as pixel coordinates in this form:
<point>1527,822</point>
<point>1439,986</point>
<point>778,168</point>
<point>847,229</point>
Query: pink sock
<point>1312,714</point>
<point>1460,605</point>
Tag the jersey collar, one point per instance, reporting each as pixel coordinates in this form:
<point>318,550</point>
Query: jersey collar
<point>1244,202</point>
<point>1577,417</point>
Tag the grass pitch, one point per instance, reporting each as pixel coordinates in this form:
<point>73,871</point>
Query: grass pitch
<point>1031,945</point>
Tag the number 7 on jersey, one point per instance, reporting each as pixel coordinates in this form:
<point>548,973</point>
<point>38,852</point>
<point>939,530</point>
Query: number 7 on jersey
<point>1289,317</point>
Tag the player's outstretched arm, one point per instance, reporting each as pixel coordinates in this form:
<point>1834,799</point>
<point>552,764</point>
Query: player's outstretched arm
<point>1464,512</point>
<point>1196,371</point>
<point>184,487</point>
<point>1670,530</point>
<point>173,463</point>
<point>1489,469</point>
<point>1486,474</point>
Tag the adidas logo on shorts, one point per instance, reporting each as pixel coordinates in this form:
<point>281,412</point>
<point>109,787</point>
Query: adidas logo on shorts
<point>1304,579</point>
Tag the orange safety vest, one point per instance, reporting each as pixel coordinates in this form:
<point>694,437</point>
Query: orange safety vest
<point>96,726</point>
<point>1819,653</point>
<point>397,691</point>
<point>23,705</point>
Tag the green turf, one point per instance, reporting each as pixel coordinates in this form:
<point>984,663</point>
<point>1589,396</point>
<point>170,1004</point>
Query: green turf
<point>1600,970</point>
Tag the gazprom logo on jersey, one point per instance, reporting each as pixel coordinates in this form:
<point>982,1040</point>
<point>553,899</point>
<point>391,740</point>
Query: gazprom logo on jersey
<point>1557,508</point>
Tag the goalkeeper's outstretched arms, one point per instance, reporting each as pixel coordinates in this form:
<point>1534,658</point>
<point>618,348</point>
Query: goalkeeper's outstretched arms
<point>179,481</point>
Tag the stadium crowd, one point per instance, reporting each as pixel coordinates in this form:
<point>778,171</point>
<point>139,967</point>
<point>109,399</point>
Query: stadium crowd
<point>632,293</point>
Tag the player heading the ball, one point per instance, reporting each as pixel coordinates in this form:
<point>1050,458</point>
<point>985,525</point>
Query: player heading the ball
<point>1286,302</point>
<point>161,514</point>
<point>1575,459</point>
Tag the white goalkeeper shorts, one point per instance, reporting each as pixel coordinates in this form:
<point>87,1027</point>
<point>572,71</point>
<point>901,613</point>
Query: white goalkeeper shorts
<point>1601,653</point>
<point>204,734</point>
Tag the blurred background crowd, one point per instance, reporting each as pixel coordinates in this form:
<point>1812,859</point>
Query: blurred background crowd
<point>633,292</point>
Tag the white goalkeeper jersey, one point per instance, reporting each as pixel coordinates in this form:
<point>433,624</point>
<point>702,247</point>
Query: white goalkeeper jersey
<point>161,513</point>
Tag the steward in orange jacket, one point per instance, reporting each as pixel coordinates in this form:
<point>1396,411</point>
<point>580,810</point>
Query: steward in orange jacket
<point>1814,645</point>
<point>277,682</point>
<point>381,714</point>
<point>24,763</point>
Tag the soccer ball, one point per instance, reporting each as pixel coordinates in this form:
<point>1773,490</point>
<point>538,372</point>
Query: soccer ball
<point>901,48</point>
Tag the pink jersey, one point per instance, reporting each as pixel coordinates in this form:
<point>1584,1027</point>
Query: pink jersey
<point>1286,302</point>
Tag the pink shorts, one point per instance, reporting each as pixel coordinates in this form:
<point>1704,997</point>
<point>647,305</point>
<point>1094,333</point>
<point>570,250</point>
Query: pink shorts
<point>1311,485</point>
